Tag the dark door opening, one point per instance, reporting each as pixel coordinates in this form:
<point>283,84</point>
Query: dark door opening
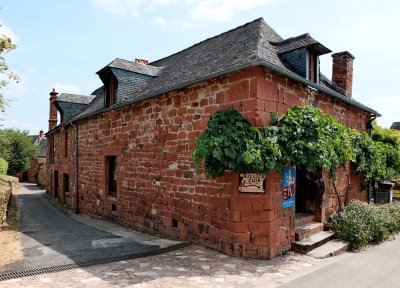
<point>25,176</point>
<point>308,195</point>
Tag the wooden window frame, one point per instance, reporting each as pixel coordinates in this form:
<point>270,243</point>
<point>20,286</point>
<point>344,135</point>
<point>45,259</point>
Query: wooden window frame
<point>111,91</point>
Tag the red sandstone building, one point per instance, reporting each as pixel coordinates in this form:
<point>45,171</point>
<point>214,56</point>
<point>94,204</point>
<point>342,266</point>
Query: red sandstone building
<point>124,152</point>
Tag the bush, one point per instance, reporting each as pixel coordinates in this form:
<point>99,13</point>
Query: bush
<point>3,166</point>
<point>360,223</point>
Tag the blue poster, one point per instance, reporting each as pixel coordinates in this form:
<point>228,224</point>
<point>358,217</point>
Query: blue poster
<point>288,187</point>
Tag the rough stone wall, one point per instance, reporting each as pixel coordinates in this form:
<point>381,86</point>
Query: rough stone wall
<point>159,192</point>
<point>63,164</point>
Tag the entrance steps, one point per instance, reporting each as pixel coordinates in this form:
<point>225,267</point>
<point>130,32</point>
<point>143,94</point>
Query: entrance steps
<point>310,238</point>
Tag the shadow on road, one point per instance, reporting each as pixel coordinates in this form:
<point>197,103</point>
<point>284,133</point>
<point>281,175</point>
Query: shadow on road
<point>50,237</point>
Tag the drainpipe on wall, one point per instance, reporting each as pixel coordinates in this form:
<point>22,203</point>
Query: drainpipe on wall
<point>76,168</point>
<point>370,126</point>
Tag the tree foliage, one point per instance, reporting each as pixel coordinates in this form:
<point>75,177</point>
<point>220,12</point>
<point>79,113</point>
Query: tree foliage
<point>6,45</point>
<point>17,149</point>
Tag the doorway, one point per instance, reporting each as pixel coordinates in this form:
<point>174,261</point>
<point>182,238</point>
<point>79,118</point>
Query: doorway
<point>308,193</point>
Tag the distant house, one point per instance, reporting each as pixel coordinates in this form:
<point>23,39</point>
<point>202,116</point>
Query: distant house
<point>36,172</point>
<point>395,125</point>
<point>124,152</point>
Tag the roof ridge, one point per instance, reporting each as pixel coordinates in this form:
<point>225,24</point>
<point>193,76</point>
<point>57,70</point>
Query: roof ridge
<point>261,19</point>
<point>291,39</point>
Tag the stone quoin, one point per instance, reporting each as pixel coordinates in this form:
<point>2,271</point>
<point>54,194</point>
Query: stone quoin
<point>124,152</point>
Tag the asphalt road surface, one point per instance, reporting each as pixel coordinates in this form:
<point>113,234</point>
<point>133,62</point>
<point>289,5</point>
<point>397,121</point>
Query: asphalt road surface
<point>51,237</point>
<point>377,267</point>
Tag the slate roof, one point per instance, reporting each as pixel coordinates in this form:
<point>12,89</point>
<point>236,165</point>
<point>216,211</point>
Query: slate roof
<point>395,125</point>
<point>72,105</point>
<point>303,40</point>
<point>133,67</point>
<point>251,44</point>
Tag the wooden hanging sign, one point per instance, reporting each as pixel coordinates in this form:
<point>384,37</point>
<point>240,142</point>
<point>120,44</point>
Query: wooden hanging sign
<point>251,183</point>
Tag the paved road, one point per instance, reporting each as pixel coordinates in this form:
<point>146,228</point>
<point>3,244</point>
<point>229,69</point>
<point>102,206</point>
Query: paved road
<point>377,267</point>
<point>51,237</point>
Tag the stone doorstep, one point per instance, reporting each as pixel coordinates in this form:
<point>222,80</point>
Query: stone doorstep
<point>312,242</point>
<point>307,230</point>
<point>303,219</point>
<point>332,248</point>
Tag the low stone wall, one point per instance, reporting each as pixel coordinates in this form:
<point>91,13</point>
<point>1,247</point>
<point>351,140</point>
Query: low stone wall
<point>8,185</point>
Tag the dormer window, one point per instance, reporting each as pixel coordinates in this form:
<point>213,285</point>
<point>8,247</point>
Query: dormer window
<point>312,68</point>
<point>111,91</point>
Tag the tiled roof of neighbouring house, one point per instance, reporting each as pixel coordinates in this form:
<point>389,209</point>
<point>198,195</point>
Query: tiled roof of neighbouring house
<point>395,125</point>
<point>252,43</point>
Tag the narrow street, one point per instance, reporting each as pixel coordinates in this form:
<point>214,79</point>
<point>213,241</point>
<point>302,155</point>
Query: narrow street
<point>50,237</point>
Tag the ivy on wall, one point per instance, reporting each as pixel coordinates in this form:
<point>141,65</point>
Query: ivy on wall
<point>303,136</point>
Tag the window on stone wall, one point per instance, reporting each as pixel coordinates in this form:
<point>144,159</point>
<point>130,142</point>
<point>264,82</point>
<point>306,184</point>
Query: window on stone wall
<point>111,175</point>
<point>111,90</point>
<point>312,67</point>
<point>66,143</point>
<point>66,183</point>
<point>51,149</point>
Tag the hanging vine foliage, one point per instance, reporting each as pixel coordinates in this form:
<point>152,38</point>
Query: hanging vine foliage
<point>230,142</point>
<point>303,136</point>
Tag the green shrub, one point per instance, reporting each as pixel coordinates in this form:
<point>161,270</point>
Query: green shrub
<point>3,166</point>
<point>360,223</point>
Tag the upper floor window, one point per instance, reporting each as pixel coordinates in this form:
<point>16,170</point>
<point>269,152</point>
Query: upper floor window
<point>66,143</point>
<point>111,91</point>
<point>51,148</point>
<point>312,68</point>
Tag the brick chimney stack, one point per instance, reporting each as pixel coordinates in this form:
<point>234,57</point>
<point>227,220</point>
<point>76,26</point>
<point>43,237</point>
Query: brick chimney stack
<point>342,71</point>
<point>141,61</point>
<point>53,110</point>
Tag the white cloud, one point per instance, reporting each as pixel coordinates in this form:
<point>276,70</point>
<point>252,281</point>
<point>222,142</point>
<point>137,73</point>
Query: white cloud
<point>66,88</point>
<point>222,10</point>
<point>388,106</point>
<point>6,31</point>
<point>160,21</point>
<point>120,7</point>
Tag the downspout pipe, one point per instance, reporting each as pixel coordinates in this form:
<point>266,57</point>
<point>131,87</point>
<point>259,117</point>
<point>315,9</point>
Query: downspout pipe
<point>371,127</point>
<point>76,168</point>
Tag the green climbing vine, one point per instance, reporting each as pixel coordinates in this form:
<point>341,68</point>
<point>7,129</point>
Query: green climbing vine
<point>303,136</point>
<point>230,142</point>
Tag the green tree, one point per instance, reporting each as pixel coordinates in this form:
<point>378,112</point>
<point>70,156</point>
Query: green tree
<point>6,45</point>
<point>17,149</point>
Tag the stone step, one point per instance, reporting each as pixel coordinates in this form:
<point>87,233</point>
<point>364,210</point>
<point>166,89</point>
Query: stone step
<point>307,230</point>
<point>329,249</point>
<point>312,242</point>
<point>303,218</point>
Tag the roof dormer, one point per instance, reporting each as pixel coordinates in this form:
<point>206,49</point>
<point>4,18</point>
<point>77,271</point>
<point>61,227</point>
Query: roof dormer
<point>301,55</point>
<point>122,78</point>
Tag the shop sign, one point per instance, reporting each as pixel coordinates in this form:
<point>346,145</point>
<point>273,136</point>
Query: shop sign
<point>251,183</point>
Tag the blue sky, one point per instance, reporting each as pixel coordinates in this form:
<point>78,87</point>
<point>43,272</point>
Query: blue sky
<point>62,44</point>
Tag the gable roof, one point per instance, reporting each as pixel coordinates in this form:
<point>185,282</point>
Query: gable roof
<point>252,44</point>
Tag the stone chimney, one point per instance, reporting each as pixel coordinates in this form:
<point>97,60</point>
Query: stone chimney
<point>53,110</point>
<point>41,134</point>
<point>342,71</point>
<point>141,61</point>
